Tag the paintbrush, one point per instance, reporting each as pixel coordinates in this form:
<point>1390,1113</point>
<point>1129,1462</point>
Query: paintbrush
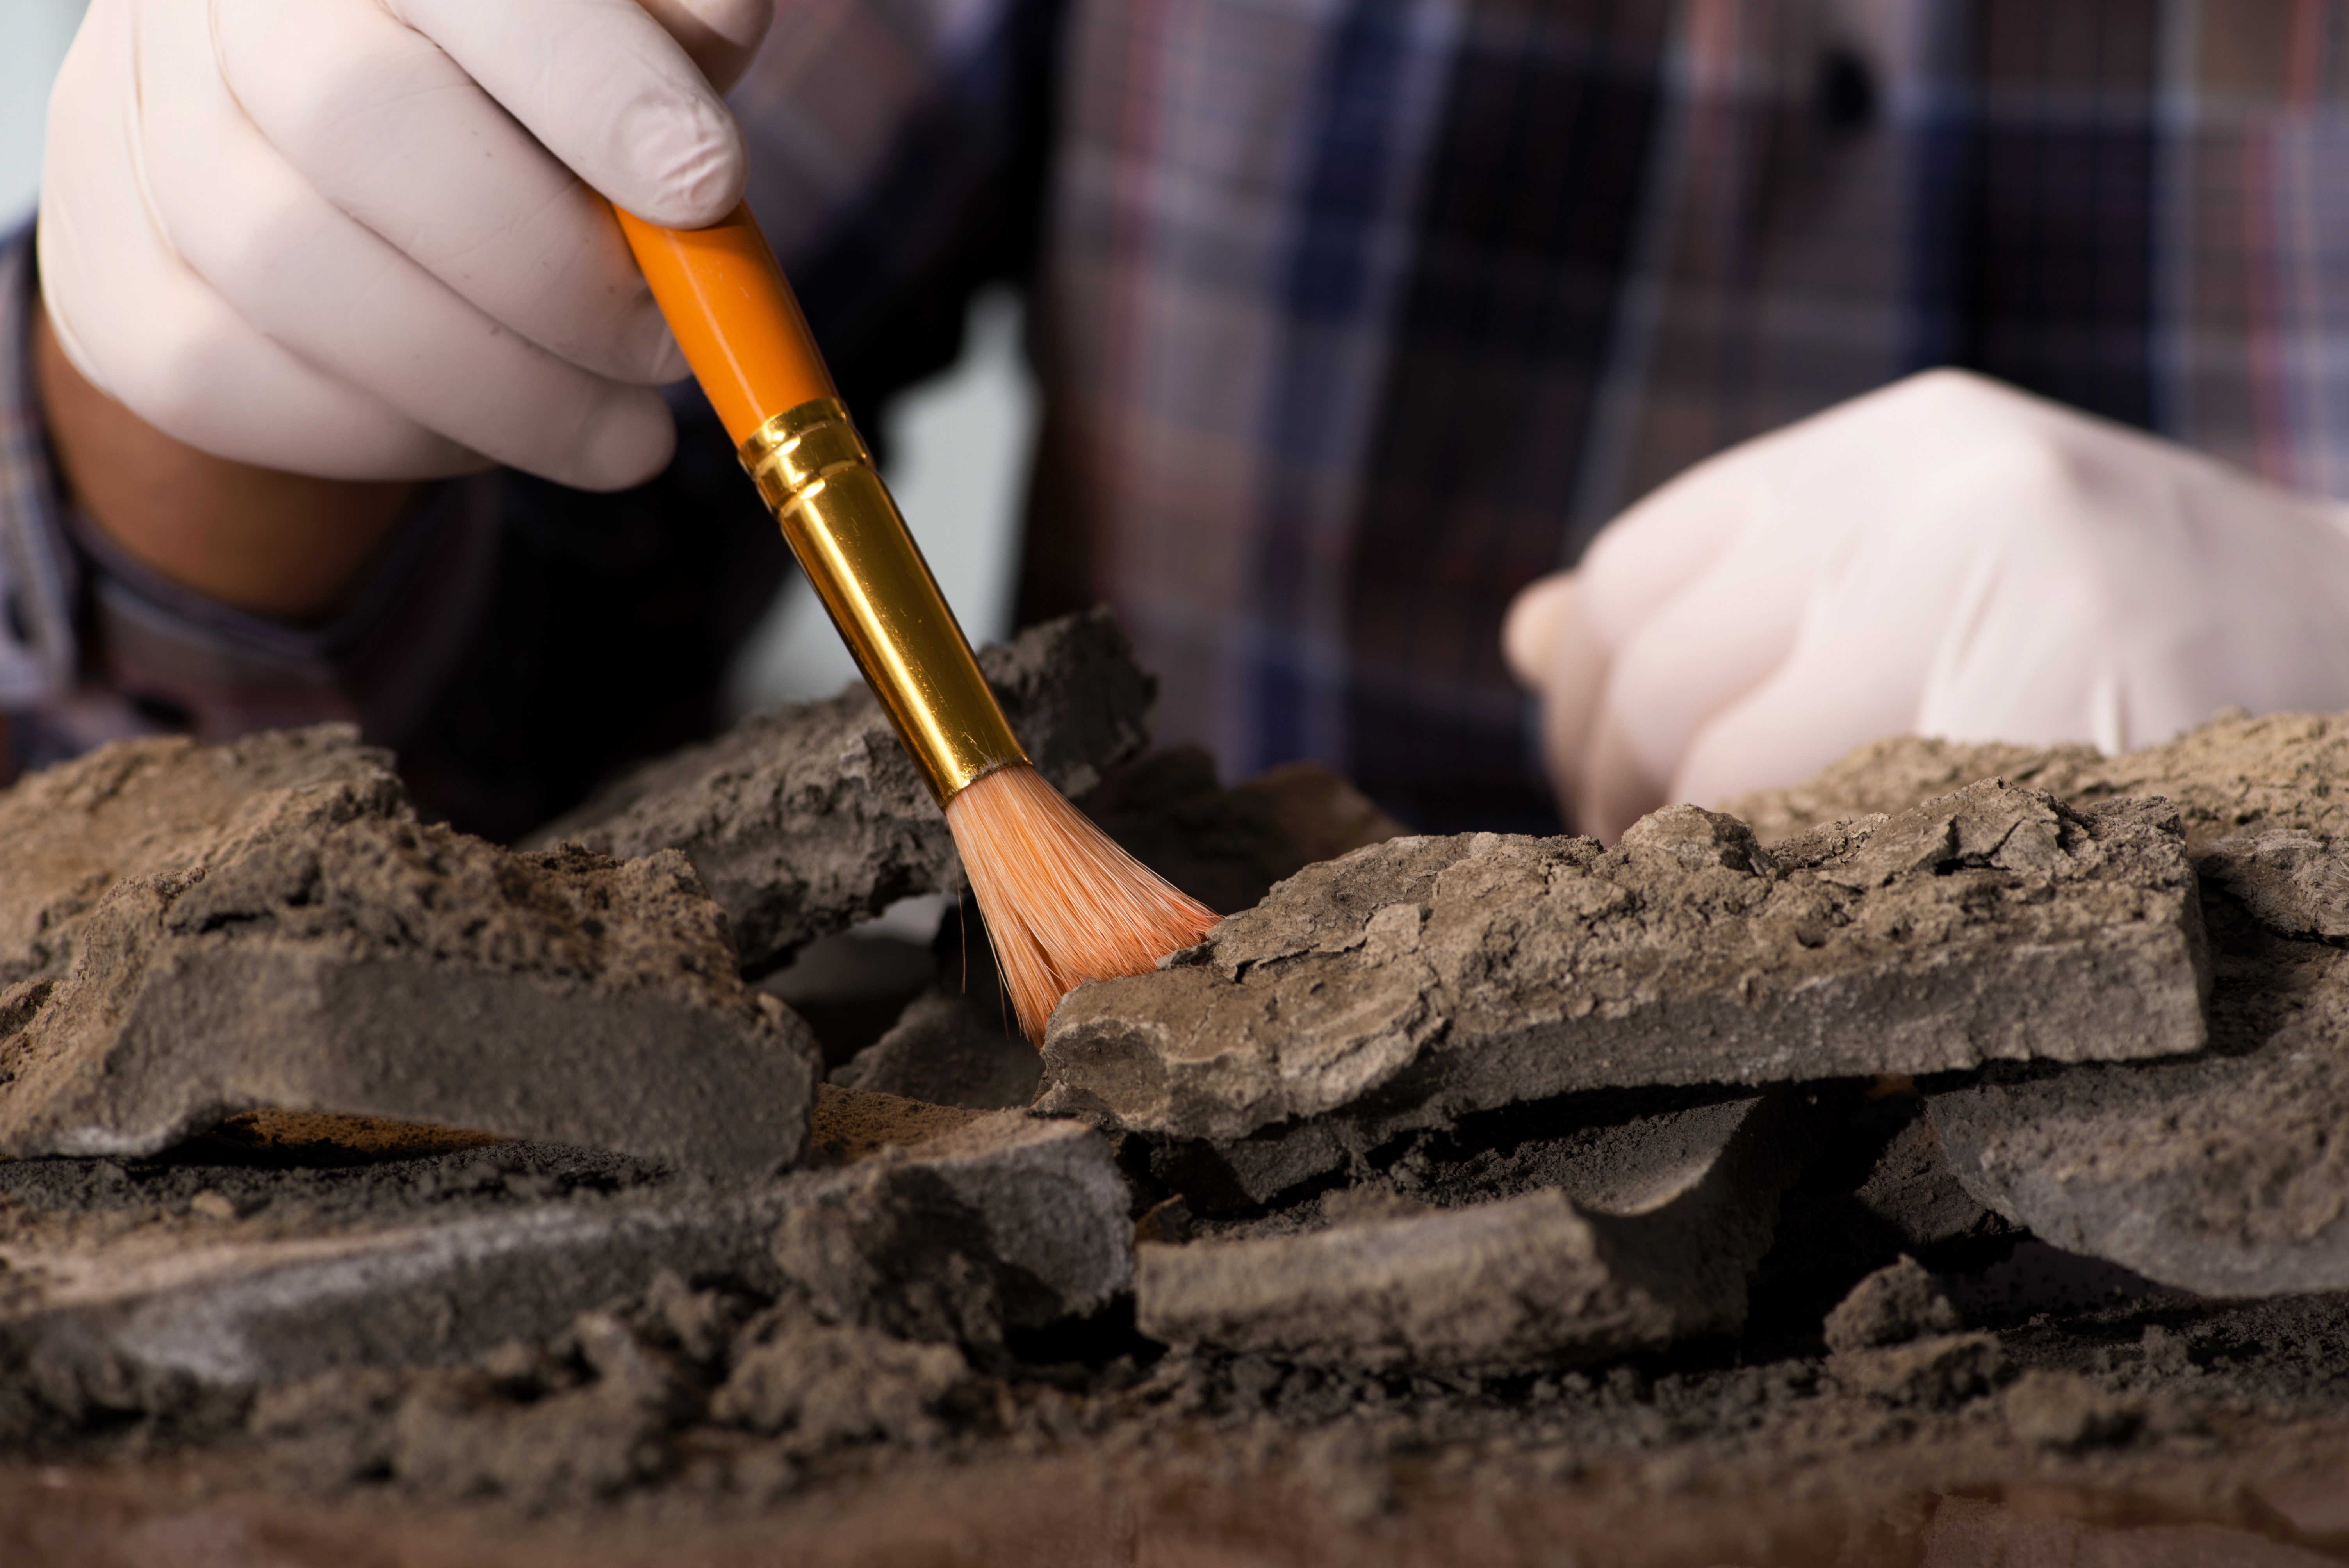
<point>1063,904</point>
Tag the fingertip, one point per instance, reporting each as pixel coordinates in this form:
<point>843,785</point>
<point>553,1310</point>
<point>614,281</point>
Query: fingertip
<point>1530,631</point>
<point>1615,789</point>
<point>629,439</point>
<point>669,361</point>
<point>687,163</point>
<point>69,344</point>
<point>1549,645</point>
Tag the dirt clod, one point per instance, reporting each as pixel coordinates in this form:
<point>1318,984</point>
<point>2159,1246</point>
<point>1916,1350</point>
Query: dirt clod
<point>1891,1307</point>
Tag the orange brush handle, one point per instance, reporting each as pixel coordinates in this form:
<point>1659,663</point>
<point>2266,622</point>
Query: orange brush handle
<point>743,333</point>
<point>734,316</point>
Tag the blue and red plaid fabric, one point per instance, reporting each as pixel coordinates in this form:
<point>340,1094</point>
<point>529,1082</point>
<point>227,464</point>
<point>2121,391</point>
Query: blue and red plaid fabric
<point>1358,315</point>
<point>1352,317</point>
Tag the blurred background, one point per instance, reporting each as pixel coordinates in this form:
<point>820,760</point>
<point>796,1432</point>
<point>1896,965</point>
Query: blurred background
<point>958,446</point>
<point>959,443</point>
<point>33,39</point>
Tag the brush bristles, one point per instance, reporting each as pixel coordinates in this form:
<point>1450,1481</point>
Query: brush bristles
<point>1063,904</point>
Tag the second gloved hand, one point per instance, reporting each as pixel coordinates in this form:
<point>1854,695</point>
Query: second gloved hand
<point>360,238</point>
<point>1946,557</point>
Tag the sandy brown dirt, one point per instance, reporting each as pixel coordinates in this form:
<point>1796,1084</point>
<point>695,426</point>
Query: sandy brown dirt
<point>2285,1506</point>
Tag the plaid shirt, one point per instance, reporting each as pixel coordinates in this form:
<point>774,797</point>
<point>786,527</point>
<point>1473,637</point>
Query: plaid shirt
<point>1351,317</point>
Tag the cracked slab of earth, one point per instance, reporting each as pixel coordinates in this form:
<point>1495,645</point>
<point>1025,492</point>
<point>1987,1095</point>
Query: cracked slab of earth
<point>1422,978</point>
<point>1856,1223</point>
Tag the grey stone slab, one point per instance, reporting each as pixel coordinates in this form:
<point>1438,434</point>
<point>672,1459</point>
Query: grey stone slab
<point>805,820</point>
<point>1601,1149</point>
<point>1428,977</point>
<point>2217,1174</point>
<point>1004,1222</point>
<point>327,954</point>
<point>1526,1282</point>
<point>1653,1240</point>
<point>2225,1175</point>
<point>1041,1203</point>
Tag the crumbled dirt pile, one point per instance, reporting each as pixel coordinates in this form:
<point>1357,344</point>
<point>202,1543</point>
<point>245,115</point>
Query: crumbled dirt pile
<point>706,1395</point>
<point>1984,1136</point>
<point>182,1289</point>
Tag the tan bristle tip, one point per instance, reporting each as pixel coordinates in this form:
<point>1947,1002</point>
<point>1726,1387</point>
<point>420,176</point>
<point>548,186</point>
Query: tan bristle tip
<point>1063,904</point>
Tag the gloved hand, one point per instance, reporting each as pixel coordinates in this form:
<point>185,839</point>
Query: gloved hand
<point>350,237</point>
<point>1945,557</point>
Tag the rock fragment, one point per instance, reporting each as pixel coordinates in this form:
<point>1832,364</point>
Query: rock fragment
<point>1891,1307</point>
<point>335,955</point>
<point>2220,1174</point>
<point>1423,978</point>
<point>1522,1283</point>
<point>1007,1221</point>
<point>1650,1248</point>
<point>805,820</point>
<point>2225,1175</point>
<point>1002,1224</point>
<point>2293,882</point>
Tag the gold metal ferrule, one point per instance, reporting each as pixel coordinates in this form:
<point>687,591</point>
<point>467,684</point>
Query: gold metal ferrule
<point>840,521</point>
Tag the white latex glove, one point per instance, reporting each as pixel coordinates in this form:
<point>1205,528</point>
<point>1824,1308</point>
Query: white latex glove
<point>350,237</point>
<point>1946,557</point>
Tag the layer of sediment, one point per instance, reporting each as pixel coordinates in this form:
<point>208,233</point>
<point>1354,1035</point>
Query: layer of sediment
<point>1965,1114</point>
